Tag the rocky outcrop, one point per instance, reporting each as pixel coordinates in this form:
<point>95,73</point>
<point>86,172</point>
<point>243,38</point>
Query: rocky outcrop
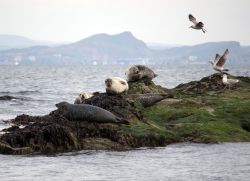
<point>210,83</point>
<point>205,118</point>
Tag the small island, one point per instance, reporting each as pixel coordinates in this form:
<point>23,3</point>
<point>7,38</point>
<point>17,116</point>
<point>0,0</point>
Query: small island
<point>204,111</point>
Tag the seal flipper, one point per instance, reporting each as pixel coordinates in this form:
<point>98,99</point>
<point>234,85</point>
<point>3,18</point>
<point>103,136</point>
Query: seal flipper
<point>122,120</point>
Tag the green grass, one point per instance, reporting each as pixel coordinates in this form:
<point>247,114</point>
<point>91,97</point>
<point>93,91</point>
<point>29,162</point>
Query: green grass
<point>205,118</point>
<point>192,122</point>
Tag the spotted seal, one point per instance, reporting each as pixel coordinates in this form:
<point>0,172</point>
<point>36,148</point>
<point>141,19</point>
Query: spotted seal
<point>86,112</point>
<point>116,85</point>
<point>147,100</point>
<point>138,72</point>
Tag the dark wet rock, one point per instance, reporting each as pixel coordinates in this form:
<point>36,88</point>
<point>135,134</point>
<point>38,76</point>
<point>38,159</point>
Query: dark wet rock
<point>12,128</point>
<point>246,125</point>
<point>7,98</point>
<point>54,133</point>
<point>210,83</point>
<point>24,120</point>
<point>7,149</point>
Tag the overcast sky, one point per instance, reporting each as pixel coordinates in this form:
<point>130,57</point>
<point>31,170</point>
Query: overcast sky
<point>163,21</point>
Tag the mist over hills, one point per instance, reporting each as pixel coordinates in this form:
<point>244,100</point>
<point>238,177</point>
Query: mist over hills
<point>18,42</point>
<point>121,48</point>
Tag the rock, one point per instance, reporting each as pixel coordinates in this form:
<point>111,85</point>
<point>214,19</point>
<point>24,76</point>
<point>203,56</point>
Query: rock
<point>145,87</point>
<point>7,98</point>
<point>203,118</point>
<point>210,83</point>
<point>7,149</point>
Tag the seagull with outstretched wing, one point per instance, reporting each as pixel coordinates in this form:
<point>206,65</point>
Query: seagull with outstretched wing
<point>219,61</point>
<point>196,25</point>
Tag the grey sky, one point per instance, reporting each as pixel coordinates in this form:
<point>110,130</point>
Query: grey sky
<point>164,21</point>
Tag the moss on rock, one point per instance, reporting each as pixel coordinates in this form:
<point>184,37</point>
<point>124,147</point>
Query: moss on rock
<point>145,87</point>
<point>205,112</point>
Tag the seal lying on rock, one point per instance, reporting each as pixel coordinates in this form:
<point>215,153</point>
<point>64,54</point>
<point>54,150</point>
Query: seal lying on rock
<point>85,112</point>
<point>83,96</point>
<point>137,72</point>
<point>116,85</point>
<point>147,100</point>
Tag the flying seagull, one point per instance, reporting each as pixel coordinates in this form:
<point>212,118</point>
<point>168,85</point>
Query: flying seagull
<point>227,81</point>
<point>219,61</point>
<point>196,25</point>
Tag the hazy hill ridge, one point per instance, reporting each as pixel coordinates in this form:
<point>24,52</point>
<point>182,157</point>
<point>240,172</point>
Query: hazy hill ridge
<point>121,48</point>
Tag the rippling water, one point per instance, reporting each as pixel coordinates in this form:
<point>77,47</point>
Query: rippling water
<point>39,88</point>
<point>174,162</point>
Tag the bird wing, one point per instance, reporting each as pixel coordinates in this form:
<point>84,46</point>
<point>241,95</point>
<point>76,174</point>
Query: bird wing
<point>232,81</point>
<point>192,19</point>
<point>216,59</point>
<point>200,25</point>
<point>223,59</point>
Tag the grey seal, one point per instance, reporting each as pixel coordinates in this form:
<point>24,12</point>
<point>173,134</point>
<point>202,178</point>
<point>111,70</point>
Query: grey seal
<point>147,100</point>
<point>138,72</point>
<point>85,112</point>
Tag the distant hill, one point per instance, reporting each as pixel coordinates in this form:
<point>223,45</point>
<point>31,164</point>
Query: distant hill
<point>13,41</point>
<point>161,46</point>
<point>122,48</point>
<point>99,49</point>
<point>201,53</point>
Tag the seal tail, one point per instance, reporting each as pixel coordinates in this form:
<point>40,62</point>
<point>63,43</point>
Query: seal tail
<point>122,120</point>
<point>165,96</point>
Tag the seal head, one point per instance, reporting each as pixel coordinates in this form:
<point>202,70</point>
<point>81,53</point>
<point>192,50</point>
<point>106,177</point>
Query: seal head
<point>116,85</point>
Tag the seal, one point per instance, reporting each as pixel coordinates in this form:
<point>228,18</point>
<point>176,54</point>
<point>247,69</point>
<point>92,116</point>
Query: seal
<point>85,112</point>
<point>116,85</point>
<point>147,100</point>
<point>138,72</point>
<point>83,96</point>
